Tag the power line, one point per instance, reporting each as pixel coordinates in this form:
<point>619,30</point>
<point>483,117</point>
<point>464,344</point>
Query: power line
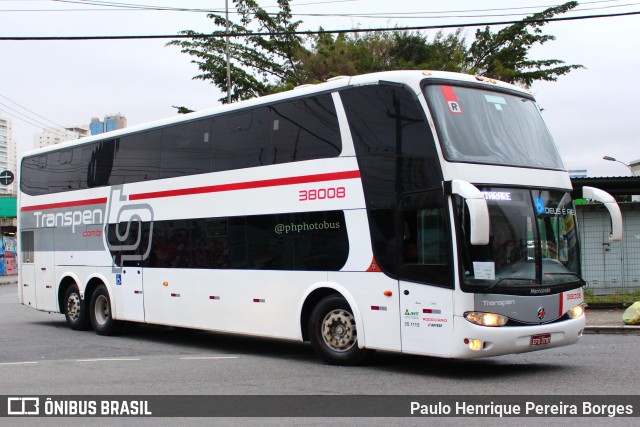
<point>32,112</point>
<point>30,120</point>
<point>128,7</point>
<point>312,32</point>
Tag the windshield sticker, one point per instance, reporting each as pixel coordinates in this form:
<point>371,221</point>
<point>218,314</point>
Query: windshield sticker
<point>484,270</point>
<point>539,202</point>
<point>452,99</point>
<point>497,101</point>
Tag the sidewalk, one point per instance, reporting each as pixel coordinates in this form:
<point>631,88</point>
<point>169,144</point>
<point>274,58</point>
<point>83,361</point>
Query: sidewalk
<point>608,321</point>
<point>599,320</point>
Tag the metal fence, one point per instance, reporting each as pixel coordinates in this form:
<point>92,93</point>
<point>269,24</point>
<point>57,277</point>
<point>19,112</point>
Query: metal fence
<point>611,269</point>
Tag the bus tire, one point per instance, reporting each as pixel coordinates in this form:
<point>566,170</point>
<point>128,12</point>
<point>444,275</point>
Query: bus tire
<point>75,309</point>
<point>333,332</point>
<point>100,313</point>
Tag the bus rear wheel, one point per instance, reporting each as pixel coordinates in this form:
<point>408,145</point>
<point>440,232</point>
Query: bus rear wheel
<point>75,311</point>
<point>333,332</point>
<point>100,313</point>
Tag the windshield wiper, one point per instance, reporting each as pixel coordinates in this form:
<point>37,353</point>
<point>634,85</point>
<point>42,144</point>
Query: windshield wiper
<point>509,278</point>
<point>547,274</point>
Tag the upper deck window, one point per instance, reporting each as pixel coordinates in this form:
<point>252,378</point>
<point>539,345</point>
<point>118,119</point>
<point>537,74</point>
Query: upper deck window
<point>481,126</point>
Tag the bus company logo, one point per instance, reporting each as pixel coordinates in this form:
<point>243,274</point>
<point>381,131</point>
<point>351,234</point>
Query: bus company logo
<point>541,313</point>
<point>69,219</point>
<point>408,313</point>
<point>23,406</point>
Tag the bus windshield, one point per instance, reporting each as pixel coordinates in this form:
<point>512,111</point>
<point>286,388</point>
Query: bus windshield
<point>481,126</point>
<point>533,242</point>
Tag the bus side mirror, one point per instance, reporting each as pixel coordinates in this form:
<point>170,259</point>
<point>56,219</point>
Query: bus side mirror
<point>478,210</point>
<point>611,205</point>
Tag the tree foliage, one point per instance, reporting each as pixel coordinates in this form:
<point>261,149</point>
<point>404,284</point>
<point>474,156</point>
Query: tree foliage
<point>280,60</point>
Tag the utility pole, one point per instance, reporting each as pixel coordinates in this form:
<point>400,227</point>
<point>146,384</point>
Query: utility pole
<point>226,16</point>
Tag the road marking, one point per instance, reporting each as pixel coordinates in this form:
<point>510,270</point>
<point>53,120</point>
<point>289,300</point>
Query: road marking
<point>207,357</point>
<point>107,360</point>
<point>18,363</point>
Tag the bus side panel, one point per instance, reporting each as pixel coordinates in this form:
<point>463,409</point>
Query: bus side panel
<point>256,302</point>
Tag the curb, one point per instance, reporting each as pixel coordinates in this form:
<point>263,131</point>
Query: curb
<point>612,330</point>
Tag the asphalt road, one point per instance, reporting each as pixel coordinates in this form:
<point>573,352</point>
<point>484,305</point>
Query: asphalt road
<point>39,355</point>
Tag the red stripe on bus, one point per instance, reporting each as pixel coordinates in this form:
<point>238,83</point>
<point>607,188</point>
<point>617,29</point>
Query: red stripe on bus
<point>277,182</point>
<point>99,201</point>
<point>561,309</point>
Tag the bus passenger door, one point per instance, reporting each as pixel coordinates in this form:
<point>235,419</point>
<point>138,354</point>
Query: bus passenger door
<point>44,269</point>
<point>425,273</point>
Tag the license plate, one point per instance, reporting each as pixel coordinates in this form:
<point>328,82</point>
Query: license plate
<point>541,339</point>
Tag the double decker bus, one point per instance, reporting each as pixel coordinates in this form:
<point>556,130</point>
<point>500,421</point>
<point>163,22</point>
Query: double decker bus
<point>419,212</point>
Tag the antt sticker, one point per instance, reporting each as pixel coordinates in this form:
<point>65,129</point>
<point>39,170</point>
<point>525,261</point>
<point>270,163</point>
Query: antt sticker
<point>452,99</point>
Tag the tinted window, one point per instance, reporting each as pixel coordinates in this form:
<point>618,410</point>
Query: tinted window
<point>137,158</point>
<point>64,169</point>
<point>34,178</point>
<point>303,241</point>
<point>396,154</point>
<point>186,149</point>
<point>241,140</point>
<point>97,162</point>
<point>305,129</point>
<point>290,131</point>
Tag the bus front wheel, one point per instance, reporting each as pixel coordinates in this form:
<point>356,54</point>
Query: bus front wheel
<point>333,332</point>
<point>100,313</point>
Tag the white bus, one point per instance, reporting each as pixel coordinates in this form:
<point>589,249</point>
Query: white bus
<point>419,212</point>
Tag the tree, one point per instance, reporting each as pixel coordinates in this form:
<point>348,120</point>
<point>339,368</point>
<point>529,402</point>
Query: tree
<point>259,64</point>
<point>263,64</point>
<point>504,55</point>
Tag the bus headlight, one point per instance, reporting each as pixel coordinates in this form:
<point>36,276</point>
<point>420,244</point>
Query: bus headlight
<point>576,311</point>
<point>486,319</point>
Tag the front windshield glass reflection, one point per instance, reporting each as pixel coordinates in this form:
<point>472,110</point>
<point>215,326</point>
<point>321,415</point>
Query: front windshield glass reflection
<point>533,240</point>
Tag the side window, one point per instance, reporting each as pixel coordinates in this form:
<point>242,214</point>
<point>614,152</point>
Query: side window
<point>305,129</point>
<point>396,154</point>
<point>186,149</point>
<point>97,164</point>
<point>27,247</point>
<point>137,158</point>
<point>425,249</point>
<point>34,177</point>
<point>64,169</point>
<point>241,140</point>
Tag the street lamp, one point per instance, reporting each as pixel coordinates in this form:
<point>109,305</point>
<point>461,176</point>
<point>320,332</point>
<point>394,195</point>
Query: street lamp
<point>613,159</point>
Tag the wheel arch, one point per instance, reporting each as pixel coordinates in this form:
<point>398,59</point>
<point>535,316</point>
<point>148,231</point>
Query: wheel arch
<point>93,283</point>
<point>315,294</point>
<point>69,279</point>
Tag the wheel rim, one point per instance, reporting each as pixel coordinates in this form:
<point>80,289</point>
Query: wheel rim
<point>339,330</point>
<point>73,306</point>
<point>102,309</point>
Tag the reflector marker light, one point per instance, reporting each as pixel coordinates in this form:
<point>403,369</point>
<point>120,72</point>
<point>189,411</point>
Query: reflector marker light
<point>378,308</point>
<point>175,295</point>
<point>48,286</point>
<point>258,300</point>
<point>214,297</point>
<point>137,292</point>
<point>388,293</point>
<point>431,311</point>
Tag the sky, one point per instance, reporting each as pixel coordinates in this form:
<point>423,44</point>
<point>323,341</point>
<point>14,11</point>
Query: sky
<point>591,112</point>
